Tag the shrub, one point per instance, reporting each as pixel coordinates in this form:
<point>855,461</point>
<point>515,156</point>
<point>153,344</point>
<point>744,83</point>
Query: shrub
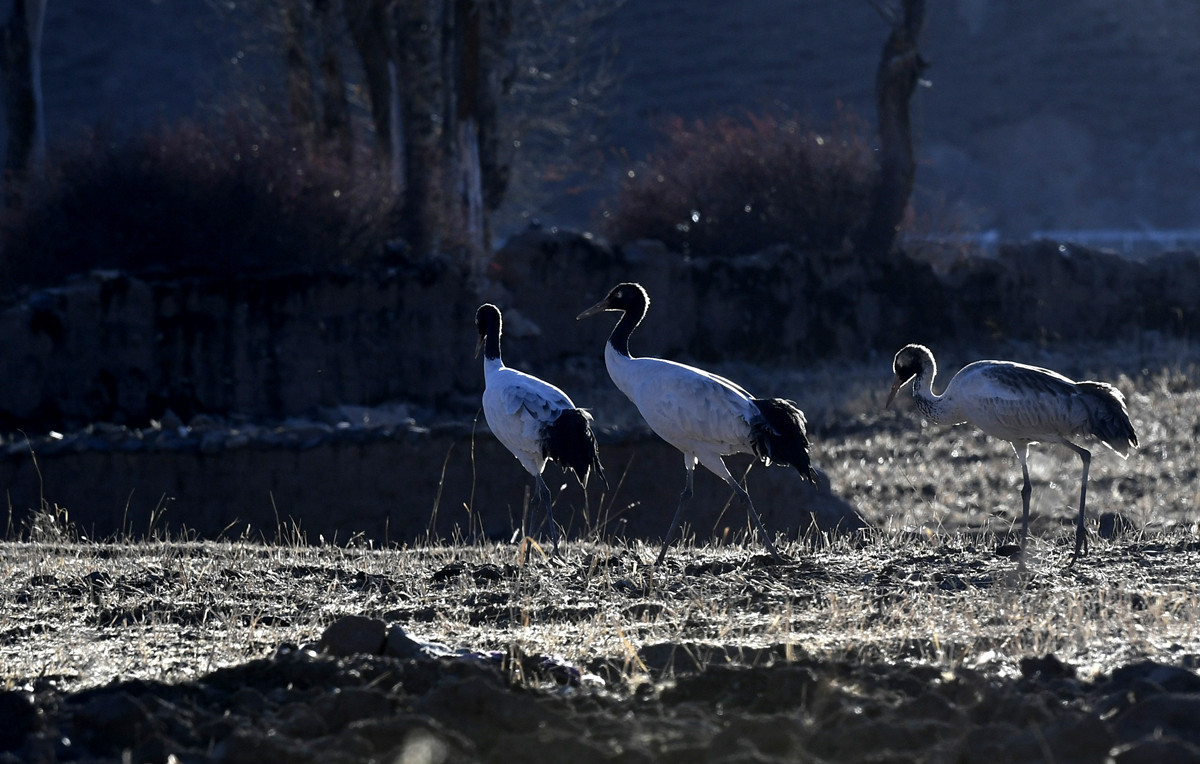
<point>731,187</point>
<point>188,198</point>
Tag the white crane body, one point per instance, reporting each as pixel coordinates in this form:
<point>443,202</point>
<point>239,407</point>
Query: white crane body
<point>518,407</point>
<point>1021,404</point>
<point>702,414</point>
<point>532,418</point>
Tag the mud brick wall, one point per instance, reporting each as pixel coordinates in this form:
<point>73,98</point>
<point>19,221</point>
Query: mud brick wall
<point>111,347</point>
<point>177,372</point>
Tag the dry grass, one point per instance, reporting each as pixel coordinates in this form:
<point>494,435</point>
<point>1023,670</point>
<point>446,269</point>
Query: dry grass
<point>928,588</point>
<point>88,614</point>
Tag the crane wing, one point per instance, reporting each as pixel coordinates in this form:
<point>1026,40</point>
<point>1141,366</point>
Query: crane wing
<point>518,406</point>
<point>1022,403</point>
<point>1011,380</point>
<point>540,400</point>
<point>688,406</point>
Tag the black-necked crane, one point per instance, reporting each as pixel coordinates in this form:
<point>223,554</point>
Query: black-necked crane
<point>703,415</point>
<point>1023,405</point>
<point>534,420</point>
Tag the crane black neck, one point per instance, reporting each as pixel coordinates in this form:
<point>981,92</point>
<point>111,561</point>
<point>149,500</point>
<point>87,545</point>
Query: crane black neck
<point>491,346</point>
<point>489,323</point>
<point>619,338</point>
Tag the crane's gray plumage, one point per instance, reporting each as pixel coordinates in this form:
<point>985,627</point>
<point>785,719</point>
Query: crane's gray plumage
<point>1023,405</point>
<point>700,413</point>
<point>533,419</point>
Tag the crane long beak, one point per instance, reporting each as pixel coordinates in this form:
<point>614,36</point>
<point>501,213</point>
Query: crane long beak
<point>599,307</point>
<point>479,345</point>
<point>899,383</point>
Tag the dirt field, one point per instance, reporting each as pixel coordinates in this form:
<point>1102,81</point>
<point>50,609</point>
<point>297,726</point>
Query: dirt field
<point>917,642</point>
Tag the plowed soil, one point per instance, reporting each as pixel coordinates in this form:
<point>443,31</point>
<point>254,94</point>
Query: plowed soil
<point>918,641</point>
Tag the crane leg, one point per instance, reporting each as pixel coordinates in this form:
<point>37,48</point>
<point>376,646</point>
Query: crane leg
<point>758,523</point>
<point>1026,493</point>
<point>548,515</point>
<point>684,496</point>
<point>1081,546</point>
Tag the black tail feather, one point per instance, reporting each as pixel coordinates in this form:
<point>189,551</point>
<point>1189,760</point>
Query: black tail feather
<point>571,443</point>
<point>1109,417</point>
<point>782,436</point>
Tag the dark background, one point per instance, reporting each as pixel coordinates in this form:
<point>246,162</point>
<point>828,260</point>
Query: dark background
<point>1078,114</point>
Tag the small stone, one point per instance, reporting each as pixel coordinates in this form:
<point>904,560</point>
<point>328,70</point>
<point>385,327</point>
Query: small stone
<point>1113,524</point>
<point>1046,667</point>
<point>448,571</point>
<point>170,420</point>
<point>1008,550</point>
<point>353,635</point>
<point>400,645</point>
<point>1161,676</point>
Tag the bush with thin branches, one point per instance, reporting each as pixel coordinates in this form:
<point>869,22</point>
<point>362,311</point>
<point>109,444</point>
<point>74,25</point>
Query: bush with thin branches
<point>219,199</point>
<point>730,187</point>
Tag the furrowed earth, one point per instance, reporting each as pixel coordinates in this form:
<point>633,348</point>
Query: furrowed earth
<point>916,641</point>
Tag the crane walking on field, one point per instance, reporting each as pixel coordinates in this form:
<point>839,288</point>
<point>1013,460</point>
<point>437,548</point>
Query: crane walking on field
<point>701,414</point>
<point>1023,405</point>
<point>533,419</point>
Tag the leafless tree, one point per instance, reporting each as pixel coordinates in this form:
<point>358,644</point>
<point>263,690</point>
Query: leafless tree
<point>451,86</point>
<point>316,91</point>
<point>20,67</point>
<point>896,79</point>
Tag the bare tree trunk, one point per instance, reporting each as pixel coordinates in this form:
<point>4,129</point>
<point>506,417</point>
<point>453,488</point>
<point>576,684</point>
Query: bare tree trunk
<point>396,136</point>
<point>469,191</point>
<point>896,80</point>
<point>372,29</point>
<point>495,81</point>
<point>20,62</point>
<point>298,71</point>
<point>436,72</point>
<point>478,38</point>
<point>335,108</point>
<point>465,49</point>
<point>420,83</point>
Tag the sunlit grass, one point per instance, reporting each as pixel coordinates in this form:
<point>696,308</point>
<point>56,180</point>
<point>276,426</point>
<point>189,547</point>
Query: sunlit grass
<point>86,614</point>
<point>927,587</point>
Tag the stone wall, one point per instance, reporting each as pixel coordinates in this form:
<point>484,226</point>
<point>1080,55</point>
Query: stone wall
<point>393,484</point>
<point>783,308</point>
<point>123,350</point>
<point>110,347</point>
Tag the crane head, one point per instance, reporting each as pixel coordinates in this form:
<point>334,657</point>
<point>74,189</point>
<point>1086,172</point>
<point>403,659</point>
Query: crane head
<point>487,321</point>
<point>627,297</point>
<point>909,362</point>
